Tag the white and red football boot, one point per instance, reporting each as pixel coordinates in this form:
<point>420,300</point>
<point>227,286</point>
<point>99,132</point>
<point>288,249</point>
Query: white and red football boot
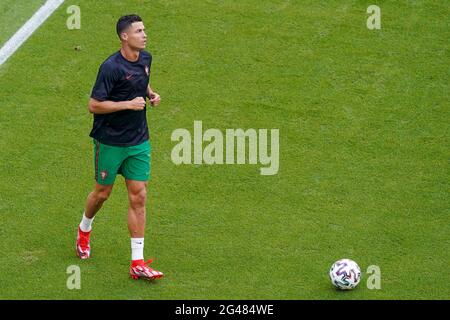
<point>140,269</point>
<point>83,244</point>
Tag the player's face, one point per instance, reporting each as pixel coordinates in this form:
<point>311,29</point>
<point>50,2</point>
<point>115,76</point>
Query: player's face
<point>136,36</point>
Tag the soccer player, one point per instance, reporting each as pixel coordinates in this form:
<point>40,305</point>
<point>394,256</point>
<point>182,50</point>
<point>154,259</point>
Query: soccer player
<point>121,139</point>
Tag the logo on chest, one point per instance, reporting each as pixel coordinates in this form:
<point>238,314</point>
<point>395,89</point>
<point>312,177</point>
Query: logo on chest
<point>130,76</point>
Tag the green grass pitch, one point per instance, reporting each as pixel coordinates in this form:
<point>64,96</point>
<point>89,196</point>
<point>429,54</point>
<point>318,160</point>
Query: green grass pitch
<point>364,151</point>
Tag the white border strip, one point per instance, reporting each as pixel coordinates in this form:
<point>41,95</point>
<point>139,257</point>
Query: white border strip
<point>28,28</point>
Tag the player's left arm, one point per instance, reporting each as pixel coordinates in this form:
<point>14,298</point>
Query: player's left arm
<point>155,99</point>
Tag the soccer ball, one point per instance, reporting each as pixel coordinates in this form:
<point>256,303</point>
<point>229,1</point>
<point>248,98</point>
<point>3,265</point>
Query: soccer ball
<point>345,274</point>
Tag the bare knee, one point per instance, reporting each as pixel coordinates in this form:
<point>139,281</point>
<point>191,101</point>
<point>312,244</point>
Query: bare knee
<point>101,195</point>
<point>138,198</point>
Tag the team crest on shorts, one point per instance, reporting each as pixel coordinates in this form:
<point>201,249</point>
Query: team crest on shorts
<point>103,174</point>
<point>147,70</point>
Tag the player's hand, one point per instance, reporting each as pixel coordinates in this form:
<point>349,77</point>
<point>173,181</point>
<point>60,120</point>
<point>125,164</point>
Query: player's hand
<point>155,99</point>
<point>137,104</point>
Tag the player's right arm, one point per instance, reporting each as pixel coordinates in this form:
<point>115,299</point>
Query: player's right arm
<point>100,102</point>
<point>103,107</point>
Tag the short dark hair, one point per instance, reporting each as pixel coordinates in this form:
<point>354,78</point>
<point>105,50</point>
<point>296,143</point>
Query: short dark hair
<point>125,22</point>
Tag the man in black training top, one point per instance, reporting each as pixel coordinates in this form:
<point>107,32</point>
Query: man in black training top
<point>121,139</point>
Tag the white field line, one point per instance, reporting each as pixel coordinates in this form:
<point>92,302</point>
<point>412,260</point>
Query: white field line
<point>28,28</point>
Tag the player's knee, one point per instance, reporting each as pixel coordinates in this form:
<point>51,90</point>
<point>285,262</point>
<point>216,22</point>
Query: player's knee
<point>102,195</point>
<point>138,198</point>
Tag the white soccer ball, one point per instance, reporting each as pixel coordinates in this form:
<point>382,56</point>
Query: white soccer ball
<point>345,274</point>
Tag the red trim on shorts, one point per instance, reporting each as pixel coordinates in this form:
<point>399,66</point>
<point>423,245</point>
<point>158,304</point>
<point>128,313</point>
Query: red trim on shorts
<point>97,148</point>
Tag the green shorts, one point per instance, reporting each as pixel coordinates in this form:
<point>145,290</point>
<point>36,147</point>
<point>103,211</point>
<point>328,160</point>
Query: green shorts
<point>131,162</point>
